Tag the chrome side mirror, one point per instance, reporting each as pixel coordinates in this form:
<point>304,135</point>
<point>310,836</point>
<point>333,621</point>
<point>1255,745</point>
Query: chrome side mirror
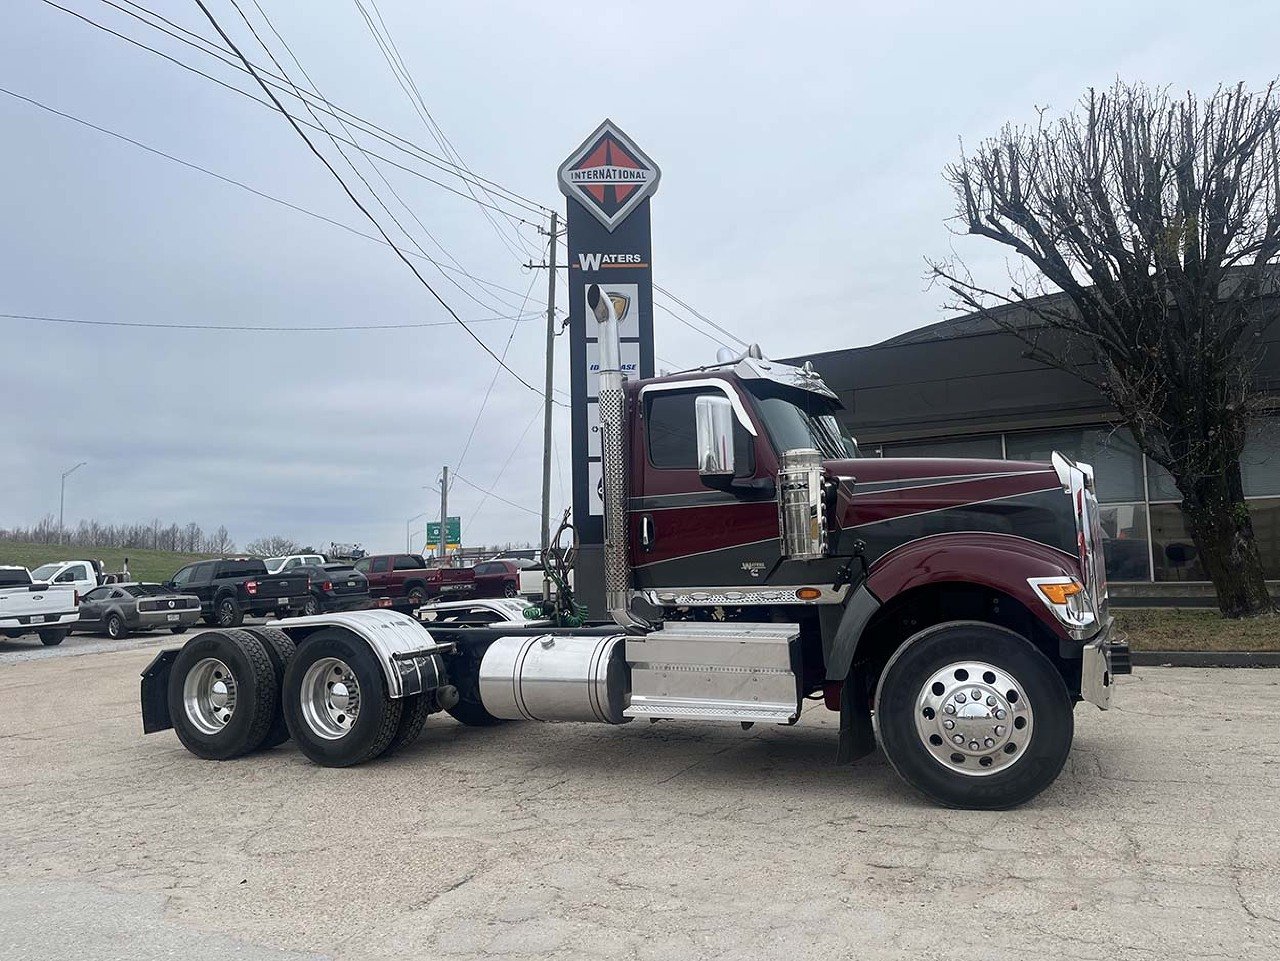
<point>714,417</point>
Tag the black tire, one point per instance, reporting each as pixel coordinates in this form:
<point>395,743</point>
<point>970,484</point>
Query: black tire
<point>1040,757</point>
<point>510,590</point>
<point>255,687</point>
<point>280,649</point>
<point>177,629</point>
<point>54,636</point>
<point>115,627</point>
<point>311,608</point>
<point>470,710</point>
<point>413,717</point>
<point>209,619</point>
<point>417,595</point>
<point>227,612</point>
<point>379,715</point>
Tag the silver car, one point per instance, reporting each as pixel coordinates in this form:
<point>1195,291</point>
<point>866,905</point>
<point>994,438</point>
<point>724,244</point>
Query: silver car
<point>118,610</point>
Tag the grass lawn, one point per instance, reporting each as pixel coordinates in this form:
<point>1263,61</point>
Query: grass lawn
<point>1196,630</point>
<point>144,565</point>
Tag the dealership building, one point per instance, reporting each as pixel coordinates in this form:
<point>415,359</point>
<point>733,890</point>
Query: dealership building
<point>965,388</point>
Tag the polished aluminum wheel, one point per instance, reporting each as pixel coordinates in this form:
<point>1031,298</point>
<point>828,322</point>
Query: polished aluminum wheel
<point>330,698</point>
<point>209,695</point>
<point>974,718</point>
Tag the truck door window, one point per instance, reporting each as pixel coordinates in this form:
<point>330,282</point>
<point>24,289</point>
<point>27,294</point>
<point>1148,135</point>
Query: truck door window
<point>379,565</point>
<point>671,433</point>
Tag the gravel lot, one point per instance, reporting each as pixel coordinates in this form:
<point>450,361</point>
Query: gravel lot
<point>1160,840</point>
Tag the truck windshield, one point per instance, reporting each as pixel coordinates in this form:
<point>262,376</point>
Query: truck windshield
<point>801,418</point>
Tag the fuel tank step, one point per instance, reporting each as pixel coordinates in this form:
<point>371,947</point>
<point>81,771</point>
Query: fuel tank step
<point>715,672</point>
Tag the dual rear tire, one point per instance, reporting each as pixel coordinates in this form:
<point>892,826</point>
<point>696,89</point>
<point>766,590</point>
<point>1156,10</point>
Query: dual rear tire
<point>232,692</point>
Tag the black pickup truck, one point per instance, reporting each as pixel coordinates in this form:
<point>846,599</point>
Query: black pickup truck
<point>233,587</point>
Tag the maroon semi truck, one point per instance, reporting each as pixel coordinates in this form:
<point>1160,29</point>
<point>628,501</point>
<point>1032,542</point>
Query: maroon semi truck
<point>954,609</point>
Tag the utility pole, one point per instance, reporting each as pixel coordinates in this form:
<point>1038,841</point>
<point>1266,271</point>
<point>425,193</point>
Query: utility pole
<point>444,513</point>
<point>546,408</point>
<point>62,494</point>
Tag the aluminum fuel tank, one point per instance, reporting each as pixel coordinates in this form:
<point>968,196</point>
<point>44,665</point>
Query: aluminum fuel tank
<point>556,677</point>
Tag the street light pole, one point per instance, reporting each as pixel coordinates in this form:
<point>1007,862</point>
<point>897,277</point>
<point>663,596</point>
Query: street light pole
<point>62,501</point>
<point>408,544</point>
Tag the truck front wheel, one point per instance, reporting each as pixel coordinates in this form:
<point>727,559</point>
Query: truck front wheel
<point>974,716</point>
<point>336,703</point>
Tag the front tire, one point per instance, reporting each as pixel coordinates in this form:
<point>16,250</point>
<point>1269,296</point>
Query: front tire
<point>222,694</point>
<point>974,716</point>
<point>336,703</point>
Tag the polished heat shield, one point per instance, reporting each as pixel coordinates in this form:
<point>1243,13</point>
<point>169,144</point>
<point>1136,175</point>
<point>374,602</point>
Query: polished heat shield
<point>802,522</point>
<point>552,677</point>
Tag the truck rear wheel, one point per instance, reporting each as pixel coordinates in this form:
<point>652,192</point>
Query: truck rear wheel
<point>336,703</point>
<point>227,612</point>
<point>413,718</point>
<point>974,716</point>
<point>222,694</point>
<point>280,650</point>
<point>52,637</point>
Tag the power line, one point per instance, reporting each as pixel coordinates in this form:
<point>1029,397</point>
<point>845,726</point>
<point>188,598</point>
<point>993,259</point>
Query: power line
<point>270,106</point>
<point>247,327</point>
<point>207,47</point>
<point>243,186</point>
<point>702,317</point>
<point>355,200</point>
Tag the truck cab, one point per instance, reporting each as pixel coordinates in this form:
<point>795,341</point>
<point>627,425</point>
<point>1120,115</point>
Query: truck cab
<point>80,575</point>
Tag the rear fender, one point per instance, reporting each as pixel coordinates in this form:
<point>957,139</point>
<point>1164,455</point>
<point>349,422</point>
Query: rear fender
<point>409,656</point>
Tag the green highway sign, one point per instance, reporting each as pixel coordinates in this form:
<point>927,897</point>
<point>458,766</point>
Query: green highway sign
<point>454,533</point>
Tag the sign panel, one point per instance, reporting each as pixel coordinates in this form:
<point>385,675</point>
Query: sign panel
<point>454,533</point>
<point>608,181</point>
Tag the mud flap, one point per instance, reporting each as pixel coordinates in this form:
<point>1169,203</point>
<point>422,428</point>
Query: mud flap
<point>155,693</point>
<point>857,737</point>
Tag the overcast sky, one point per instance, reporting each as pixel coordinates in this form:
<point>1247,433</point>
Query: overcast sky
<point>801,147</point>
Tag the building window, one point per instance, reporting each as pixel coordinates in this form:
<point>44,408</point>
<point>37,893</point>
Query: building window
<point>1259,466</point>
<point>986,446</point>
<point>1125,545</point>
<point>1113,454</point>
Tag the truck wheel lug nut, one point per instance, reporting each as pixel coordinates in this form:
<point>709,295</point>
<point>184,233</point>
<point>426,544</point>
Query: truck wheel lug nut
<point>991,700</point>
<point>961,698</point>
<point>948,724</point>
<point>959,739</point>
<point>988,742</point>
<point>999,730</point>
<point>950,708</point>
<point>1000,715</point>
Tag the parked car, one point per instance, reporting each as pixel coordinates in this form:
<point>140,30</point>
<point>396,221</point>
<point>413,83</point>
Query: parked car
<point>84,576</point>
<point>32,607</point>
<point>278,565</point>
<point>334,587</point>
<point>406,577</point>
<point>118,610</point>
<point>498,579</point>
<point>529,573</point>
<point>230,588</point>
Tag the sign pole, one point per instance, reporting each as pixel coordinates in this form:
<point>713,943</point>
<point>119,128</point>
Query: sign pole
<point>444,514</point>
<point>546,409</point>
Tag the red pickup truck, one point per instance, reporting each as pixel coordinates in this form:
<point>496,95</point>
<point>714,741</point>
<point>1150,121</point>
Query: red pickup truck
<point>407,578</point>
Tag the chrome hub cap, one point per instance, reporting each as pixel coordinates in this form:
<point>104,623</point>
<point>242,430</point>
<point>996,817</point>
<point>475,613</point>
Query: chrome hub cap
<point>974,718</point>
<point>330,698</point>
<point>209,695</point>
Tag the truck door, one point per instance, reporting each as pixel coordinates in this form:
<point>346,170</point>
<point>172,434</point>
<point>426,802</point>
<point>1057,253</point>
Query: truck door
<point>377,571</point>
<point>684,533</point>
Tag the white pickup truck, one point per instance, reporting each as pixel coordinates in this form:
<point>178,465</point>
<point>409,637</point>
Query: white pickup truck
<point>34,607</point>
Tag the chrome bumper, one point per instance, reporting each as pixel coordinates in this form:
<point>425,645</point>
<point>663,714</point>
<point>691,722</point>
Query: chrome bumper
<point>1104,658</point>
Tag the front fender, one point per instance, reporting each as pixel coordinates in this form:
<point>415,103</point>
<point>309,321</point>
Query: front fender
<point>1002,562</point>
<point>391,636</point>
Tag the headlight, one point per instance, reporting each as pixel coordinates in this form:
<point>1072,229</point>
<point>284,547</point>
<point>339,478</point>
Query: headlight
<point>1067,598</point>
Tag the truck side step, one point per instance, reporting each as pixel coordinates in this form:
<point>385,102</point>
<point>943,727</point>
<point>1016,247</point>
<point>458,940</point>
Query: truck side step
<point>715,672</point>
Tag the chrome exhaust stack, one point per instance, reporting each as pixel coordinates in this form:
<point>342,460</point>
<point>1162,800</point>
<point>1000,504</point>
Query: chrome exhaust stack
<point>613,455</point>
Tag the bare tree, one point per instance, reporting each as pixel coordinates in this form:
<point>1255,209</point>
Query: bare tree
<point>273,546</point>
<point>1159,219</point>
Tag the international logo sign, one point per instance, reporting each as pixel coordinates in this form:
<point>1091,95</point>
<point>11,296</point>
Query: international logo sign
<point>609,175</point>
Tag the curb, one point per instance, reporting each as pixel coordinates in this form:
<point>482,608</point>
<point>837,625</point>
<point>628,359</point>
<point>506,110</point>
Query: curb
<point>1206,658</point>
